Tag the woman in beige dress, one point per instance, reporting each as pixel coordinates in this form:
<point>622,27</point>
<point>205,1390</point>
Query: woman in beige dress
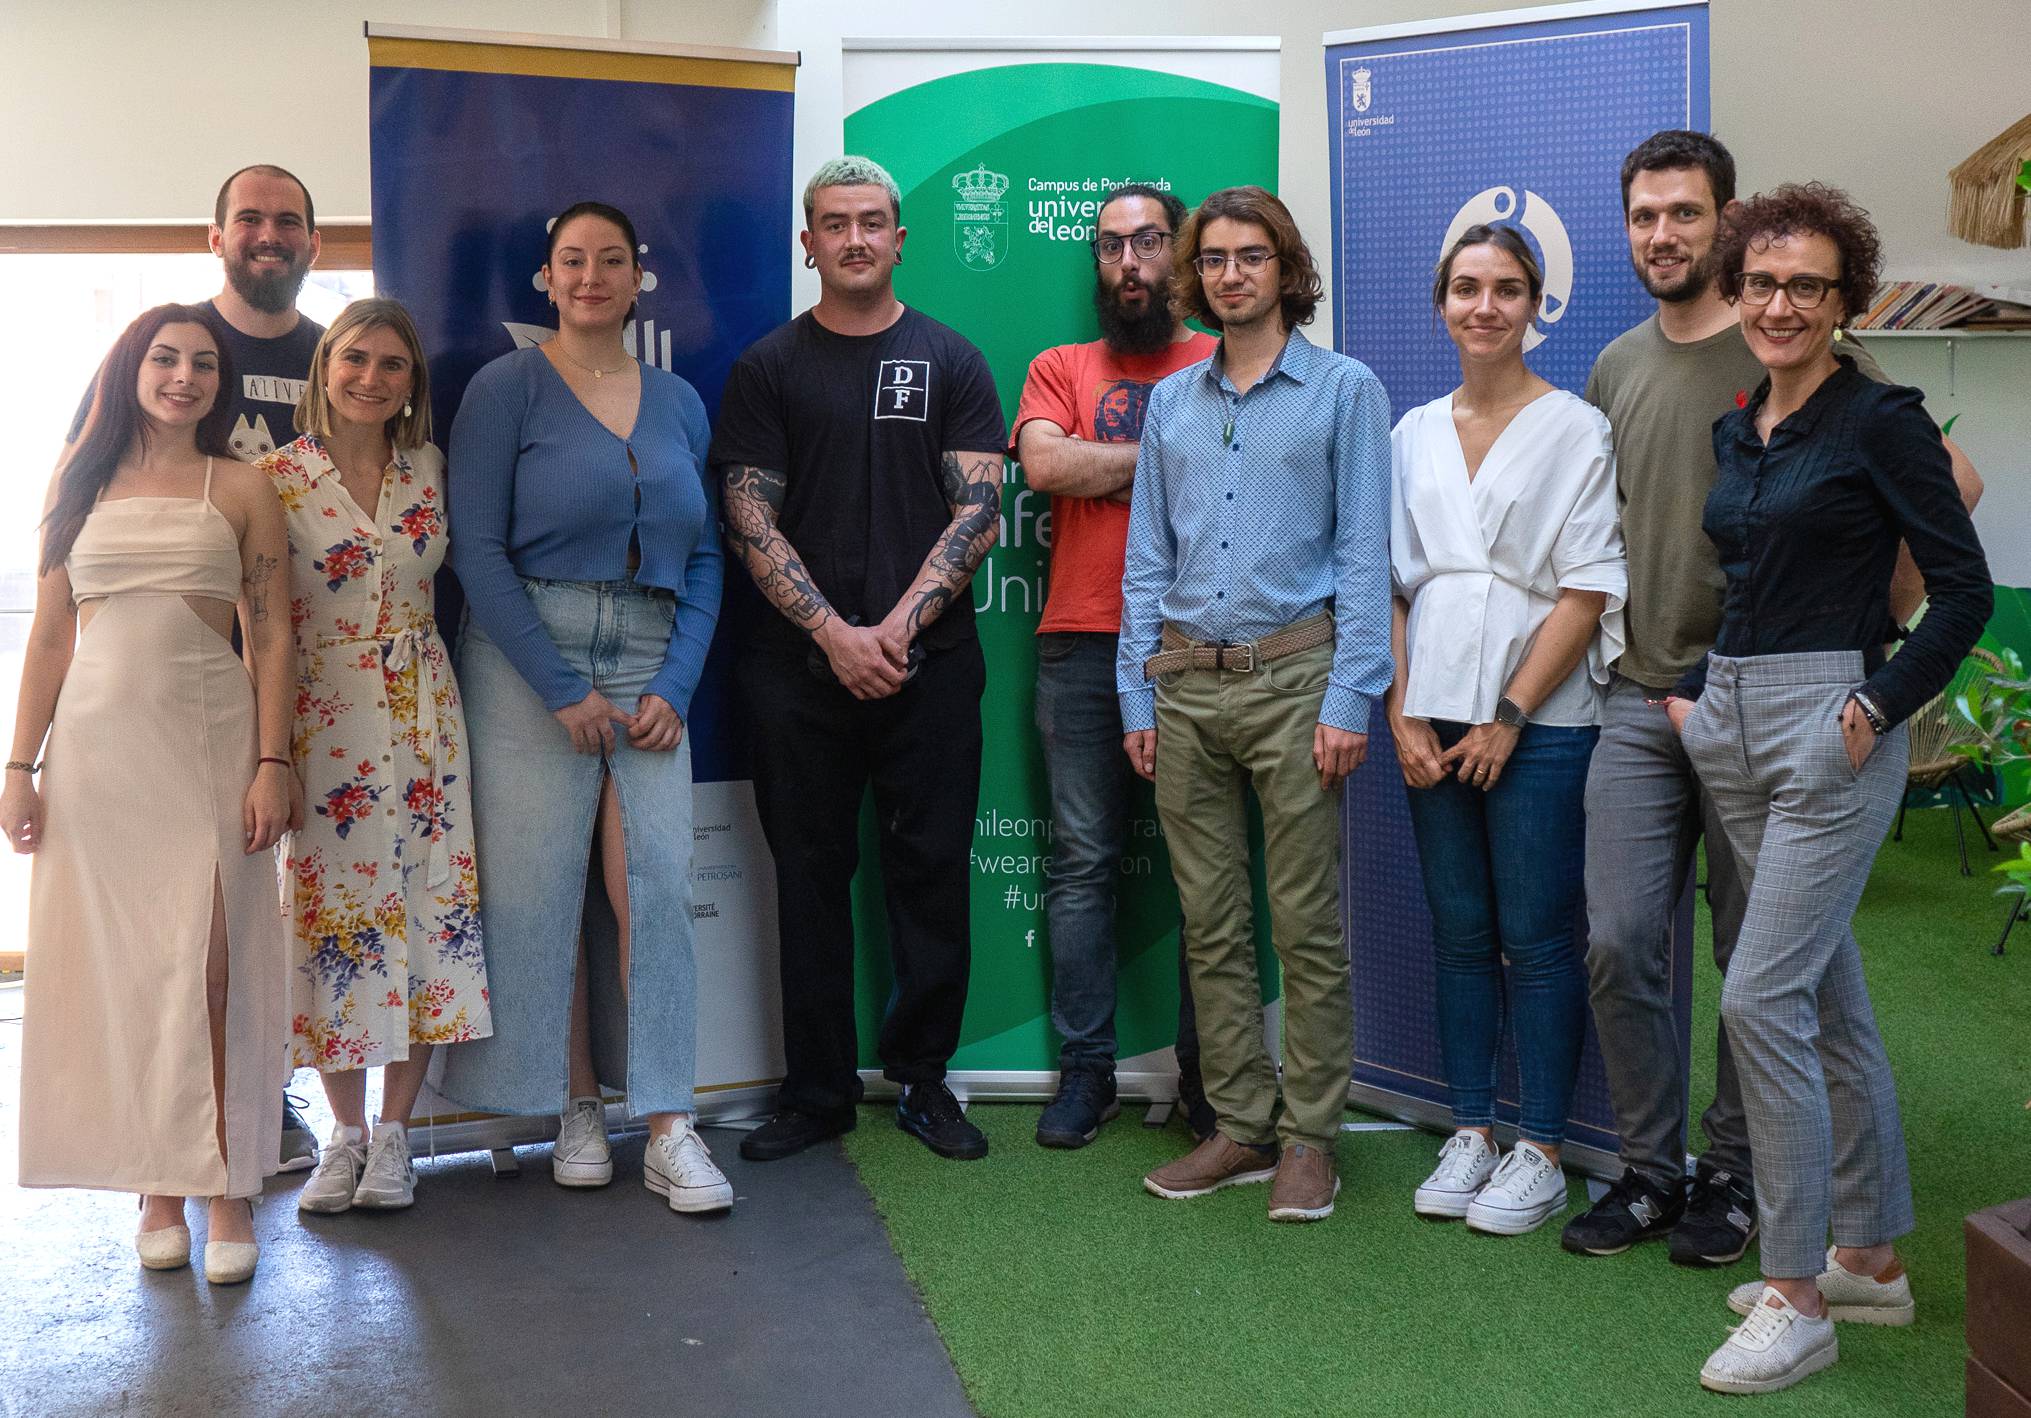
<point>152,1043</point>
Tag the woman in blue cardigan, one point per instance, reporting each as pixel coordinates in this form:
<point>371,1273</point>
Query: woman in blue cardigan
<point>587,544</point>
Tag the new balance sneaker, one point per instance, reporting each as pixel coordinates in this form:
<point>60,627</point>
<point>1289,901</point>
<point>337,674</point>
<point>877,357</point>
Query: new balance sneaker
<point>1850,1298</point>
<point>1085,1100</point>
<point>1466,1163</point>
<point>1630,1211</point>
<point>929,1113</point>
<point>1773,1348</point>
<point>679,1166</point>
<point>1526,1190</point>
<point>337,1175</point>
<point>388,1181</point>
<point>1719,1220</point>
<point>790,1132</point>
<point>582,1156</point>
<point>299,1143</point>
<point>1306,1183</point>
<point>1217,1162</point>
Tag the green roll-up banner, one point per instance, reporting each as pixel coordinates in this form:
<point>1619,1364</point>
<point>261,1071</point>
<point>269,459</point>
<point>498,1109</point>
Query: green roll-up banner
<point>1003,153</point>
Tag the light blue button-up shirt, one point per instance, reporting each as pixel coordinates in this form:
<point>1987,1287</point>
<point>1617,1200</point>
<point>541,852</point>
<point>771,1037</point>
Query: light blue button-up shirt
<point>1252,511</point>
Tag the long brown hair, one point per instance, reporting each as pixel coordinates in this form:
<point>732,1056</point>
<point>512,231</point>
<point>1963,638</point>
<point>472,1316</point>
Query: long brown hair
<point>115,423</point>
<point>1297,276</point>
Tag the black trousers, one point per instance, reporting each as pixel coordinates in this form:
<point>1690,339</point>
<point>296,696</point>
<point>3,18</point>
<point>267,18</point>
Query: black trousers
<point>817,750</point>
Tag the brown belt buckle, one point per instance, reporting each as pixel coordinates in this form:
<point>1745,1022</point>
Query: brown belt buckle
<point>1245,664</point>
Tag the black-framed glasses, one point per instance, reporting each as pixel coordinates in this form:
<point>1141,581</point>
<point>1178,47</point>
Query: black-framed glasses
<point>1803,292</point>
<point>1249,259</point>
<point>1145,244</point>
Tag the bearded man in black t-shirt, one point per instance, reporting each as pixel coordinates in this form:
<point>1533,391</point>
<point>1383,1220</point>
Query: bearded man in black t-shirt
<point>860,451</point>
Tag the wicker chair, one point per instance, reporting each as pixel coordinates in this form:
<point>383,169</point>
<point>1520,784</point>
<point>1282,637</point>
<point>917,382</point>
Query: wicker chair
<point>2014,828</point>
<point>1940,775</point>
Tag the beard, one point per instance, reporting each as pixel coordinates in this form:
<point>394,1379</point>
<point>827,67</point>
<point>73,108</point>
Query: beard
<point>1694,283</point>
<point>1131,333</point>
<point>271,292</point>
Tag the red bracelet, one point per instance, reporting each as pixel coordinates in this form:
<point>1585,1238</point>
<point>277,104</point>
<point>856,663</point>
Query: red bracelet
<point>283,761</point>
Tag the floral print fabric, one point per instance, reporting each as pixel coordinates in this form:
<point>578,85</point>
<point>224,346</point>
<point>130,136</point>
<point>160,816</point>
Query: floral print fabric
<point>383,895</point>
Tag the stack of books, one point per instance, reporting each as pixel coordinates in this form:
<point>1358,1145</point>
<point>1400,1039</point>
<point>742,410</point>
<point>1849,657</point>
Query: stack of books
<point>1941,305</point>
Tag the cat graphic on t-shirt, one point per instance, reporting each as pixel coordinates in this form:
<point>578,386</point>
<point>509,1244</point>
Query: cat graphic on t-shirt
<point>251,440</point>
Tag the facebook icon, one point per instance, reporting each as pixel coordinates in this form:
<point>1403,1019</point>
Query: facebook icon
<point>904,390</point>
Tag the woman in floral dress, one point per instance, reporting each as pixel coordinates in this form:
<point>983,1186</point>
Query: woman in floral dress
<point>383,896</point>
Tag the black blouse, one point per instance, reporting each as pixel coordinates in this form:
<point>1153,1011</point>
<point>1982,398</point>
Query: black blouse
<point>1808,528</point>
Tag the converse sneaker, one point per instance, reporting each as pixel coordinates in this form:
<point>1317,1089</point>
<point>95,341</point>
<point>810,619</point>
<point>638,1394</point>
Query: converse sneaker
<point>582,1157</point>
<point>1719,1220</point>
<point>1632,1210</point>
<point>331,1186</point>
<point>1465,1164</point>
<point>1773,1348</point>
<point>388,1181</point>
<point>679,1166</point>
<point>1526,1190</point>
<point>1850,1298</point>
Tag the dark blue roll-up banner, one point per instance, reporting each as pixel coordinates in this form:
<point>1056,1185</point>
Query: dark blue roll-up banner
<point>477,142</point>
<point>1523,118</point>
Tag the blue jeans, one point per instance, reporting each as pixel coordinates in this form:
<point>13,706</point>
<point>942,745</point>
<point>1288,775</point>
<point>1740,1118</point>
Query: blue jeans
<point>1079,718</point>
<point>1502,872</point>
<point>535,802</point>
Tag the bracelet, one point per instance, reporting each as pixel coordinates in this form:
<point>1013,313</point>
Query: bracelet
<point>1870,712</point>
<point>30,768</point>
<point>267,758</point>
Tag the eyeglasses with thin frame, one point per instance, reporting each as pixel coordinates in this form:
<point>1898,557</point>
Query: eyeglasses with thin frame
<point>1145,244</point>
<point>1803,292</point>
<point>1249,259</point>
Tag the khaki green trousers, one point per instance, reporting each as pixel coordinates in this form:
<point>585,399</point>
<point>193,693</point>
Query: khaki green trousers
<point>1218,733</point>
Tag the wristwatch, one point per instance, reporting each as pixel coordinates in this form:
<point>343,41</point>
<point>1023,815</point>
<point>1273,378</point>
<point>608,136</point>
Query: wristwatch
<point>1508,711</point>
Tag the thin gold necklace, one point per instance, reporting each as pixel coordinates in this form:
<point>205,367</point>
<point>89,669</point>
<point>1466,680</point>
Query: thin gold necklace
<point>594,370</point>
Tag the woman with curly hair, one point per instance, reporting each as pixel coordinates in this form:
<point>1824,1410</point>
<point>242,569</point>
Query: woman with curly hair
<point>1794,725</point>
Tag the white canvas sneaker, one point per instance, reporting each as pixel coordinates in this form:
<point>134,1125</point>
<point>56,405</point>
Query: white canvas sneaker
<point>582,1156</point>
<point>1850,1298</point>
<point>1773,1348</point>
<point>331,1186</point>
<point>1527,1190</point>
<point>679,1166</point>
<point>1465,1164</point>
<point>388,1181</point>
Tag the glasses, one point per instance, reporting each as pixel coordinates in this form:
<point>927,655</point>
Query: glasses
<point>1249,259</point>
<point>1145,244</point>
<point>1803,292</point>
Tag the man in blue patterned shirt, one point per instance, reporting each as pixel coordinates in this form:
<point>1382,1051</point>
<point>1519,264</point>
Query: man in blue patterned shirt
<point>1254,641</point>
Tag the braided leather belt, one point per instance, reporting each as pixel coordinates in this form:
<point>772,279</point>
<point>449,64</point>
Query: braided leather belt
<point>1182,652</point>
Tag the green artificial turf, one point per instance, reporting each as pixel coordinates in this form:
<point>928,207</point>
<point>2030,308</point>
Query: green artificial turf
<point>1061,1288</point>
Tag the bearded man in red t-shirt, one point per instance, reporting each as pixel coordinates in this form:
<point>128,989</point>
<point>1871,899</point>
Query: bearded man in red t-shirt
<point>1077,432</point>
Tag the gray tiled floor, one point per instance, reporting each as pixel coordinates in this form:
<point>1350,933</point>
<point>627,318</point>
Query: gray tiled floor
<point>488,1297</point>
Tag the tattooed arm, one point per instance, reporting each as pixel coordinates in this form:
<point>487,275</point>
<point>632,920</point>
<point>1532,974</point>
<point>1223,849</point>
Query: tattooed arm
<point>752,504</point>
<point>271,647</point>
<point>972,486</point>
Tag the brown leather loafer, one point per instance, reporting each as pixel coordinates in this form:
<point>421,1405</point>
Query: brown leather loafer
<point>1215,1163</point>
<point>1306,1183</point>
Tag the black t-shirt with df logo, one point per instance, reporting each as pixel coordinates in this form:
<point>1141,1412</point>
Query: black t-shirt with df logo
<point>857,424</point>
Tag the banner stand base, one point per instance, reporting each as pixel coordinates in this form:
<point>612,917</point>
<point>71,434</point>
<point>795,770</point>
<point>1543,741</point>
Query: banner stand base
<point>1437,1118</point>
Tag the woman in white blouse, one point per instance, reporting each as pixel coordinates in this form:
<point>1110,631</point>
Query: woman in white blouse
<point>1506,554</point>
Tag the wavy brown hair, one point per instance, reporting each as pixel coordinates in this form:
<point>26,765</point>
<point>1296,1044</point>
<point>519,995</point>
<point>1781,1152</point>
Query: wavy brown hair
<point>1297,275</point>
<point>1805,209</point>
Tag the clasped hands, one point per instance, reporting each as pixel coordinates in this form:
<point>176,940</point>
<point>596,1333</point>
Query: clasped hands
<point>1477,760</point>
<point>654,726</point>
<point>872,661</point>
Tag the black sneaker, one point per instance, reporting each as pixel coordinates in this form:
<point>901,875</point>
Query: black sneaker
<point>1085,1100</point>
<point>929,1113</point>
<point>1198,1113</point>
<point>1719,1221</point>
<point>1630,1211</point>
<point>790,1132</point>
<point>299,1143</point>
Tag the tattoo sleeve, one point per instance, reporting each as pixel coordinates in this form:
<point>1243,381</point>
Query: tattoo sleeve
<point>753,501</point>
<point>972,487</point>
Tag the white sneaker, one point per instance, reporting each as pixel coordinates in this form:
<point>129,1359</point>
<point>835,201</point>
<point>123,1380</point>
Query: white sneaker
<point>331,1186</point>
<point>1527,1190</point>
<point>1850,1298</point>
<point>1772,1349</point>
<point>388,1181</point>
<point>679,1166</point>
<point>582,1157</point>
<point>1465,1164</point>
